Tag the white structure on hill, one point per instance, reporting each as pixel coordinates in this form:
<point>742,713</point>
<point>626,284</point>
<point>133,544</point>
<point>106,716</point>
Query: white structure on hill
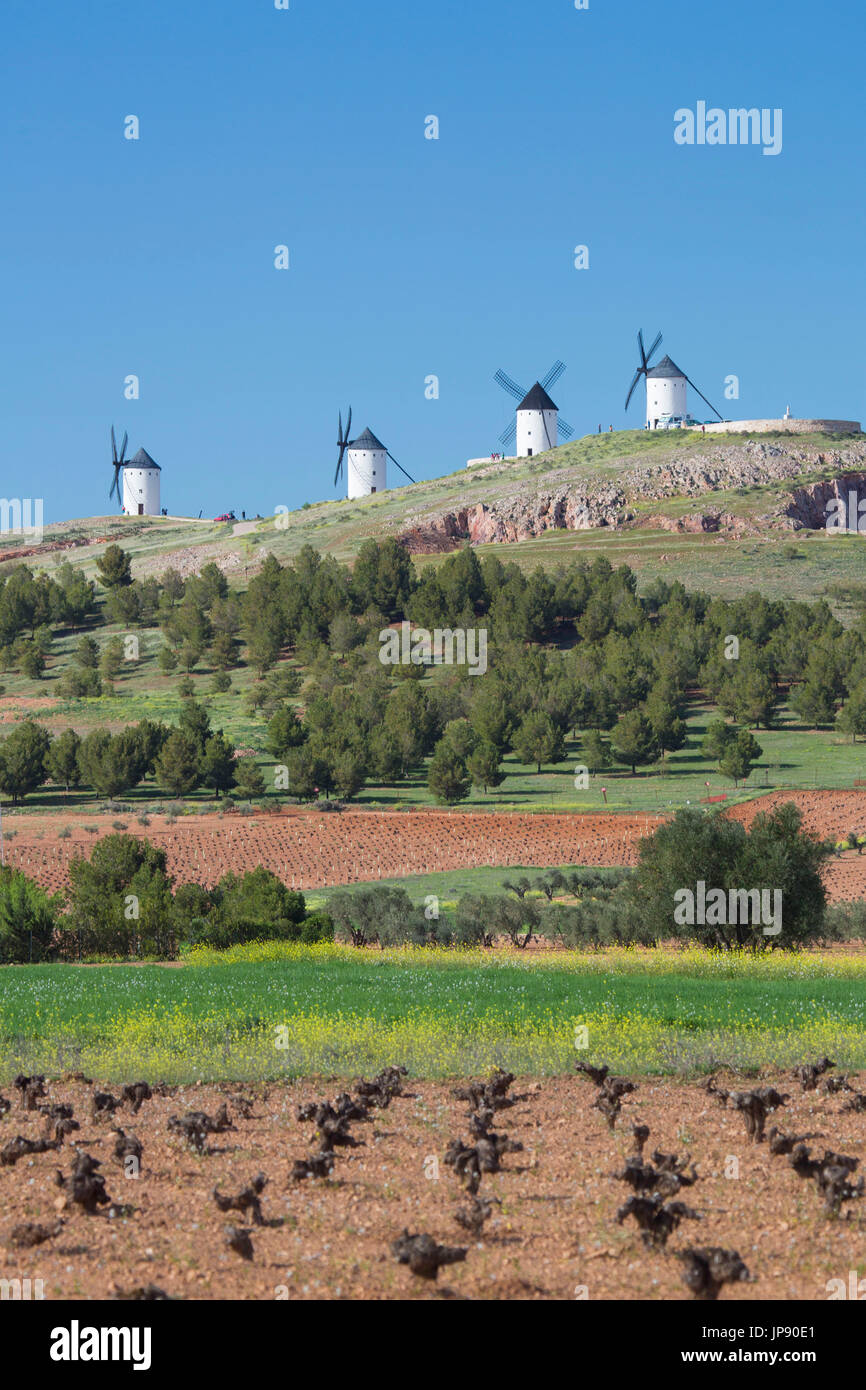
<point>368,465</point>
<point>141,486</point>
<point>666,394</point>
<point>537,423</point>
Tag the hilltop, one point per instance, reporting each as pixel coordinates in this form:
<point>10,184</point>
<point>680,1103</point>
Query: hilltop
<point>653,500</point>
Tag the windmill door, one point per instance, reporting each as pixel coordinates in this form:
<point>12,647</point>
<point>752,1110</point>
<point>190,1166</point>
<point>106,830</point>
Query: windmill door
<point>141,509</point>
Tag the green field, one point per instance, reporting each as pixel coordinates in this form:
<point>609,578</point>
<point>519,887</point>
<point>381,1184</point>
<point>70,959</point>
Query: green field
<point>441,1013</point>
<point>451,884</point>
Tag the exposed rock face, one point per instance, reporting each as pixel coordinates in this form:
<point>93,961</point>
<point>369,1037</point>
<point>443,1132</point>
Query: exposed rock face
<point>707,523</point>
<point>518,519</point>
<point>514,511</point>
<point>808,505</point>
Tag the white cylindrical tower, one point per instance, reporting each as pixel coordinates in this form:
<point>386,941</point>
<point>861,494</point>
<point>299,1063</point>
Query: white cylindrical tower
<point>537,429</point>
<point>141,486</point>
<point>367,465</point>
<point>665,395</point>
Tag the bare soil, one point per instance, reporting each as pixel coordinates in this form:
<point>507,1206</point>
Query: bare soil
<point>554,1233</point>
<point>310,849</point>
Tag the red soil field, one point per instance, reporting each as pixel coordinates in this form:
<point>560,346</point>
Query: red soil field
<point>554,1236</point>
<point>310,849</point>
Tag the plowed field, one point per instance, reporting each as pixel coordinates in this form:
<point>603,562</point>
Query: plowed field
<point>310,849</point>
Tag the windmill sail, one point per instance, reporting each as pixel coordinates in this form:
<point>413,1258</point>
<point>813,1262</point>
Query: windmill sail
<point>342,443</point>
<point>644,363</point>
<point>118,462</point>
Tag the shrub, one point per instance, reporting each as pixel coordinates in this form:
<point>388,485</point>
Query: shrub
<point>120,899</point>
<point>317,926</point>
<point>28,919</point>
<point>845,921</point>
<point>385,915</point>
<point>255,906</point>
<point>775,854</point>
<point>481,917</point>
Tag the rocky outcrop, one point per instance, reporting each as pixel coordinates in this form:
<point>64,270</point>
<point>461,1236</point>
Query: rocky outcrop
<point>697,523</point>
<point>808,506</point>
<point>510,509</point>
<point>517,519</point>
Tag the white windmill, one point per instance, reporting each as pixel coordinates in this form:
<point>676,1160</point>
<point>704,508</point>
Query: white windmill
<point>141,486</point>
<point>666,398</point>
<point>366,461</point>
<point>135,481</point>
<point>538,424</point>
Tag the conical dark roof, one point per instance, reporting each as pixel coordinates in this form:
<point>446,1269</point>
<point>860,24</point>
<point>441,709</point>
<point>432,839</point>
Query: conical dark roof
<point>367,440</point>
<point>143,460</point>
<point>666,368</point>
<point>537,399</point>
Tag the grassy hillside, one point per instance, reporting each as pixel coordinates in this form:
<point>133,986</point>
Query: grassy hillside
<point>807,565</point>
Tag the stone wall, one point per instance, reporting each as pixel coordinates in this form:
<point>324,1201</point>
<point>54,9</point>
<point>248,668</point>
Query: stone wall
<point>792,426</point>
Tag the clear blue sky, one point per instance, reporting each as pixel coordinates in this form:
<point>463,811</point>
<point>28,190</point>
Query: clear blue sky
<point>408,256</point>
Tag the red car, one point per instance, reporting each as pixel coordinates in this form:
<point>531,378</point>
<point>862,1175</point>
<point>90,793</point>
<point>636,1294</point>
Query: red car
<point>226,516</point>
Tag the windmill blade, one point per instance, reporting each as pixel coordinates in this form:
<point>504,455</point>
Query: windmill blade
<point>399,465</point>
<point>343,438</point>
<point>637,376</point>
<point>653,348</point>
<point>565,428</point>
<point>553,375</point>
<point>703,398</point>
<point>342,442</point>
<point>113,448</point>
<point>508,436</point>
<point>123,446</point>
<point>510,386</point>
<point>115,486</point>
<point>340,464</point>
<point>640,348</point>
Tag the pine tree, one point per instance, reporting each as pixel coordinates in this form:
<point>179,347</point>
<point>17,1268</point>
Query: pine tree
<point>447,777</point>
<point>248,778</point>
<point>22,760</point>
<point>633,741</point>
<point>177,766</point>
<point>484,767</point>
<point>61,763</point>
<point>114,567</point>
<point>538,740</point>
